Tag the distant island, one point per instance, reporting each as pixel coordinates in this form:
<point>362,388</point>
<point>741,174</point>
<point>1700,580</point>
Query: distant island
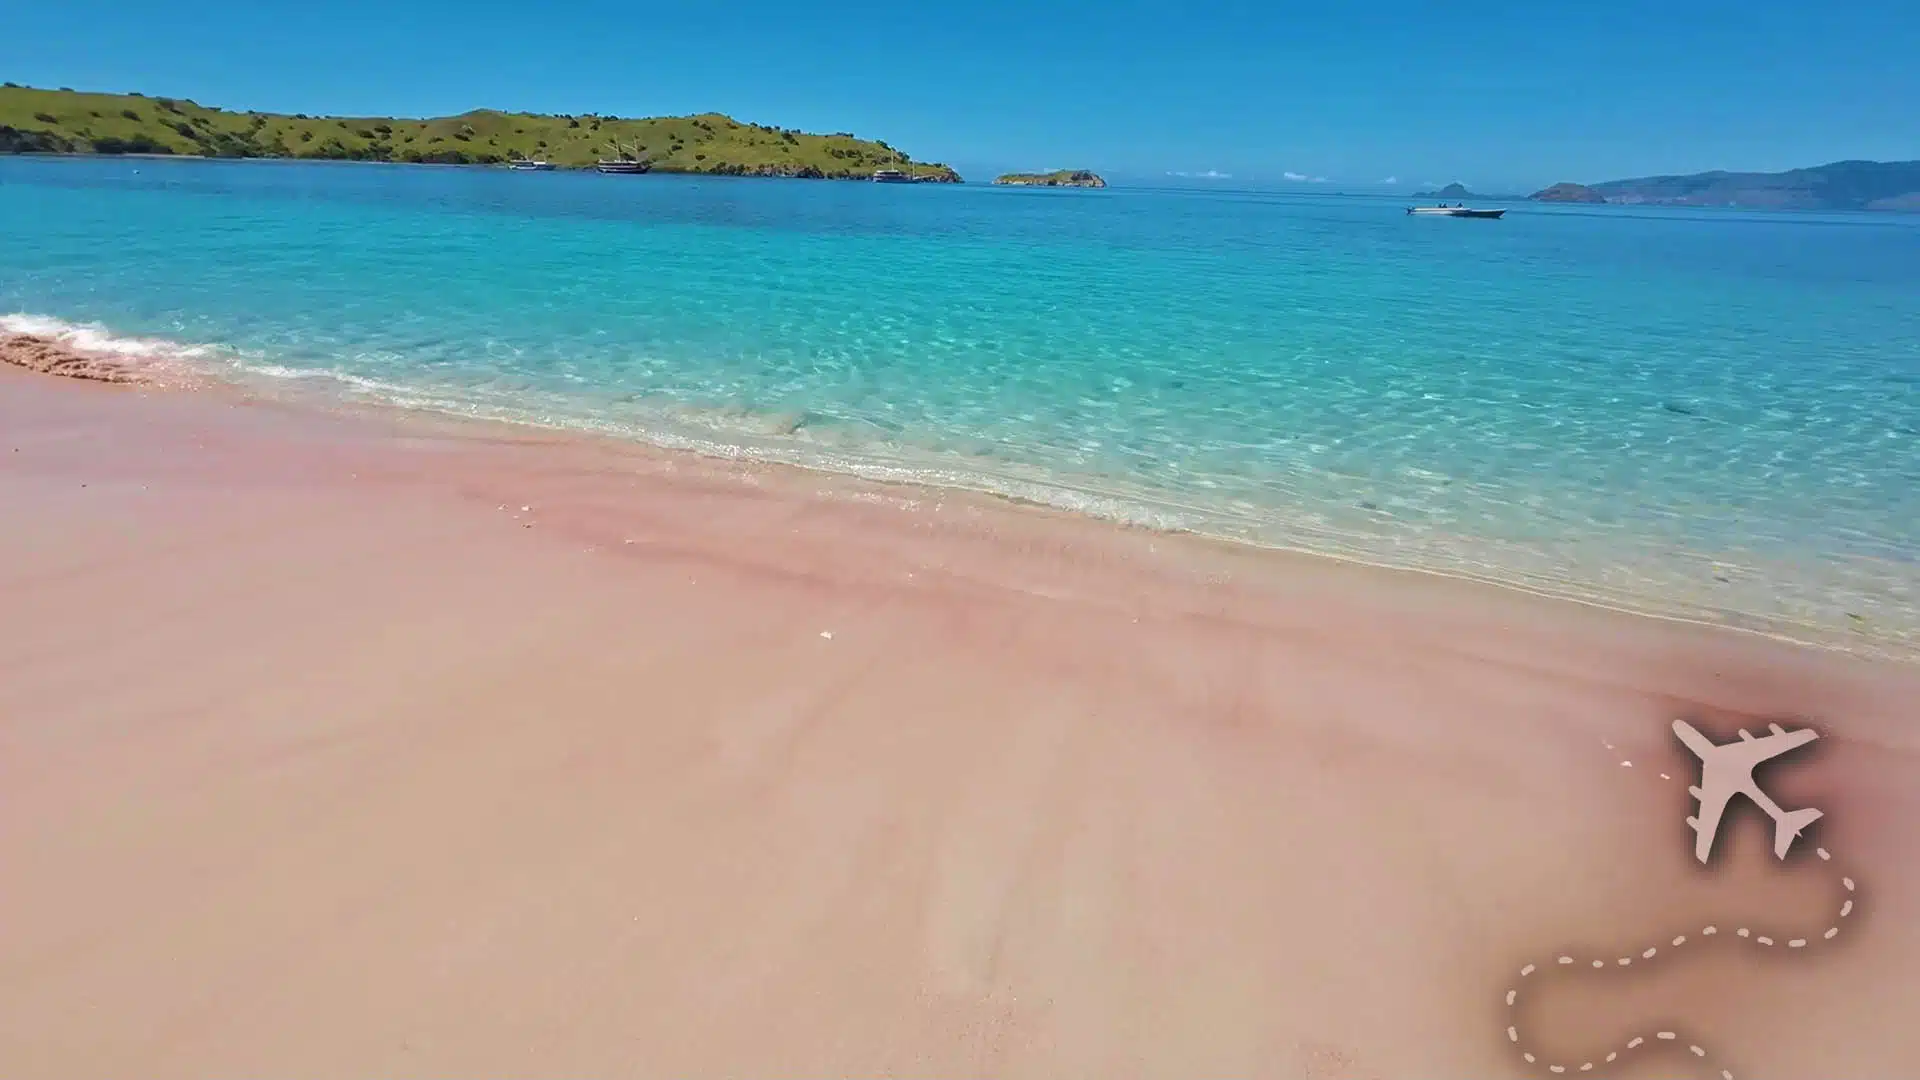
<point>1842,185</point>
<point>1568,193</point>
<point>69,122</point>
<point>1057,178</point>
<point>1451,191</point>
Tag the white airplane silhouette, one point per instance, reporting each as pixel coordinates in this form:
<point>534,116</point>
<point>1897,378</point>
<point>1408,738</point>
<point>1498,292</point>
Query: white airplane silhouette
<point>1726,770</point>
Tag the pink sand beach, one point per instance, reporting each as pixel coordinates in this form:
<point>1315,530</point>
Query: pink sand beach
<point>372,744</point>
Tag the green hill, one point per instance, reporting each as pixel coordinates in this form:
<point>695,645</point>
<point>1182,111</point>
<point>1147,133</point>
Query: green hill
<point>70,122</point>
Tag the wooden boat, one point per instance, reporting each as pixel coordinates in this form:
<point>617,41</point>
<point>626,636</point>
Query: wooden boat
<point>623,165</point>
<point>893,176</point>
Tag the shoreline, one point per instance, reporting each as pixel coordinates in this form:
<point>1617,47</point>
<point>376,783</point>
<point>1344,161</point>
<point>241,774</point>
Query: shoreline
<point>511,430</point>
<point>94,155</point>
<point>357,740</point>
<point>195,367</point>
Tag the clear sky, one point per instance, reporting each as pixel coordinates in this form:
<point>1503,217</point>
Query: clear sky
<point>1497,96</point>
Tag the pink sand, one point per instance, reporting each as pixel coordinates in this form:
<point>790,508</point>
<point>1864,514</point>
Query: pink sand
<point>366,745</point>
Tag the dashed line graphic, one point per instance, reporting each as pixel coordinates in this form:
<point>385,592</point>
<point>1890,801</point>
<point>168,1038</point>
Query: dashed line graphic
<point>1726,771</point>
<point>1653,952</point>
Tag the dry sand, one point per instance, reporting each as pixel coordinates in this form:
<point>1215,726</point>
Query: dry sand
<point>349,745</point>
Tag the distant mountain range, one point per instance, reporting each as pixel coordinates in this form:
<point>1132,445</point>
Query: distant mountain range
<point>1842,185</point>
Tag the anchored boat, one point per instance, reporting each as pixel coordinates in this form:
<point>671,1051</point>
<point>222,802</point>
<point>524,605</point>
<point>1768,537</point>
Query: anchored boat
<point>622,164</point>
<point>1455,211</point>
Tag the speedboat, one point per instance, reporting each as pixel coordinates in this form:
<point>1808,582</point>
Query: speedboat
<point>1454,211</point>
<point>531,165</point>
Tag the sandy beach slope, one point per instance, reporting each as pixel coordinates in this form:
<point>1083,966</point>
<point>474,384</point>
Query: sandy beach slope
<point>361,745</point>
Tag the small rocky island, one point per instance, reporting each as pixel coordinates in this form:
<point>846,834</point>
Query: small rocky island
<point>1058,178</point>
<point>1568,193</point>
<point>1451,191</point>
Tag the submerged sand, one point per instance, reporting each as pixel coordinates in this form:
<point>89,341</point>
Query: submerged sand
<point>47,356</point>
<point>346,745</point>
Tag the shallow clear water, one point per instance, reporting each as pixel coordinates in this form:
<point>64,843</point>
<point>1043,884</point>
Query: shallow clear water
<point>1702,412</point>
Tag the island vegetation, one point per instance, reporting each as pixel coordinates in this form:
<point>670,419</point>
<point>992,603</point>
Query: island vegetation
<point>1840,185</point>
<point>69,122</point>
<point>1057,178</point>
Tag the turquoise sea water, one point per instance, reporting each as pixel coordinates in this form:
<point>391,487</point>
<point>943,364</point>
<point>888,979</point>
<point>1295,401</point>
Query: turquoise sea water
<point>1701,412</point>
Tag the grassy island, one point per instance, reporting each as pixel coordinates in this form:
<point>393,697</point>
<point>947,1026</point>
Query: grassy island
<point>71,122</point>
<point>1058,178</point>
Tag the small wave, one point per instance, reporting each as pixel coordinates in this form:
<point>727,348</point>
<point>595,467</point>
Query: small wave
<point>124,359</point>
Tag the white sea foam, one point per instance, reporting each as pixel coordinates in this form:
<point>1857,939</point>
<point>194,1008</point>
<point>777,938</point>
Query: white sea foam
<point>93,339</point>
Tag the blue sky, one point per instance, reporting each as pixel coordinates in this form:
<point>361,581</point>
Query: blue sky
<point>1499,96</point>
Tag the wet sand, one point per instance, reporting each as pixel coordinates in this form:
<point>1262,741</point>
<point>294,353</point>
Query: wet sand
<point>32,352</point>
<point>350,745</point>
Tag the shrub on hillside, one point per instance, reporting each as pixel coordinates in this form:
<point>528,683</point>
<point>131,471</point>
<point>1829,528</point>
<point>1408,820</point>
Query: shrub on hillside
<point>139,144</point>
<point>16,141</point>
<point>436,157</point>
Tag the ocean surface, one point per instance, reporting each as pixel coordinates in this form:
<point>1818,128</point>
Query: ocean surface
<point>1705,413</point>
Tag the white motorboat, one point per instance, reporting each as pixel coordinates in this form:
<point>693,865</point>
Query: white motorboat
<point>1454,211</point>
